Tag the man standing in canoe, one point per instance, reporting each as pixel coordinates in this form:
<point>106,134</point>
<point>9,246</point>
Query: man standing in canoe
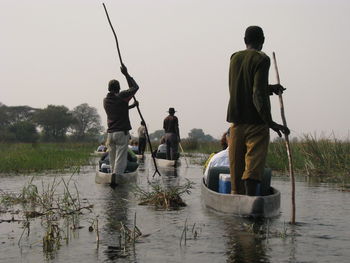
<point>141,132</point>
<point>116,105</point>
<point>249,113</point>
<point>172,135</point>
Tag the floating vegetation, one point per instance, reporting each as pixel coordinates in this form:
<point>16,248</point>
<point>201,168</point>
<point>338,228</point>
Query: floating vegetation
<point>58,211</point>
<point>164,198</point>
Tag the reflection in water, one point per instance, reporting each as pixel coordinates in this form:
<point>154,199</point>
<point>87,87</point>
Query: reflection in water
<point>170,178</point>
<point>116,212</point>
<point>244,245</point>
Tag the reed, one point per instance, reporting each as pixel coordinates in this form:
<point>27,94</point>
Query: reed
<point>324,157</point>
<point>29,158</point>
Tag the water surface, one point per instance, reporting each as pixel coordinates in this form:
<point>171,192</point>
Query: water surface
<point>321,235</point>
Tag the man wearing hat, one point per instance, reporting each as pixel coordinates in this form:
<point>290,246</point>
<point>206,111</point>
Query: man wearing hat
<point>249,113</point>
<point>172,134</point>
<point>116,105</point>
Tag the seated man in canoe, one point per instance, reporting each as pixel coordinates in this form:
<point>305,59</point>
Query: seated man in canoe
<point>102,147</point>
<point>219,159</point>
<point>224,145</point>
<point>104,163</point>
<point>134,146</point>
<point>160,153</point>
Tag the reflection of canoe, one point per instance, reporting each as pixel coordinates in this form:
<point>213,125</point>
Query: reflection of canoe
<point>106,178</point>
<point>167,163</point>
<point>242,205</point>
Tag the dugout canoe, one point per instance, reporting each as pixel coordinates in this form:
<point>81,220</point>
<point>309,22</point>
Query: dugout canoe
<point>106,178</point>
<point>242,205</point>
<point>164,163</point>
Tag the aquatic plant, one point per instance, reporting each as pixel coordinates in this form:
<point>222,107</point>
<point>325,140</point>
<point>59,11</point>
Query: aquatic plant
<point>163,198</point>
<point>59,212</point>
<point>185,231</point>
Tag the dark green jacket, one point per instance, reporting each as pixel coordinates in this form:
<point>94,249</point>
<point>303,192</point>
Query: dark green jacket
<point>249,91</point>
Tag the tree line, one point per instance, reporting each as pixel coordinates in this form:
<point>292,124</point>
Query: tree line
<point>195,134</point>
<point>55,123</point>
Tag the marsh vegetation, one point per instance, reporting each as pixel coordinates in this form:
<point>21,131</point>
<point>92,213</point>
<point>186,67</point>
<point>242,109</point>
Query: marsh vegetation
<point>39,157</point>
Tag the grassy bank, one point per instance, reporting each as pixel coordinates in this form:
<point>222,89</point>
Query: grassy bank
<point>27,158</point>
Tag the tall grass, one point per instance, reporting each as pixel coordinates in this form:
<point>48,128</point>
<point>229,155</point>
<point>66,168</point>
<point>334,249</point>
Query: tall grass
<point>27,158</point>
<point>312,156</point>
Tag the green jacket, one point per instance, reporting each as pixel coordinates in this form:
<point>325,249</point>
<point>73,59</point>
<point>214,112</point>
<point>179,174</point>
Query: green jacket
<point>249,90</point>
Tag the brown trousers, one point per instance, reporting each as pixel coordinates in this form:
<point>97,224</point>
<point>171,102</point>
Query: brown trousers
<point>248,150</point>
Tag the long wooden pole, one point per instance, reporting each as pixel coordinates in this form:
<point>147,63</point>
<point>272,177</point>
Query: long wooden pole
<point>137,106</point>
<point>286,137</point>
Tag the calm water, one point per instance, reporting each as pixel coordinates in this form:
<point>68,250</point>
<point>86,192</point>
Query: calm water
<point>322,233</point>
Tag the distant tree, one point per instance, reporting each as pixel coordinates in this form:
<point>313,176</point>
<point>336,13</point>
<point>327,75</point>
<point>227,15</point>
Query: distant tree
<point>55,121</point>
<point>196,134</point>
<point>156,135</point>
<point>24,131</point>
<point>87,122</point>
<point>12,114</point>
<point>4,117</point>
<point>20,113</point>
<point>16,124</point>
<point>208,138</point>
<point>199,135</point>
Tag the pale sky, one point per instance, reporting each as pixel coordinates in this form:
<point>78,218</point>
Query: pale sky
<point>62,52</point>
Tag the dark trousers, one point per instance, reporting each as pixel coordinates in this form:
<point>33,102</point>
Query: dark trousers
<point>172,146</point>
<point>142,145</point>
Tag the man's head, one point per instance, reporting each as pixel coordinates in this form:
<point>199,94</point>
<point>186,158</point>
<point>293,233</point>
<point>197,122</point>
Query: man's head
<point>113,86</point>
<point>171,111</point>
<point>254,37</point>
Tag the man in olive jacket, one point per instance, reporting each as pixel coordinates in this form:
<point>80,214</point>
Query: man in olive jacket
<point>116,105</point>
<point>249,113</point>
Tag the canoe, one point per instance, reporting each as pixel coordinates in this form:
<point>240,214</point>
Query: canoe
<point>106,178</point>
<point>242,205</point>
<point>167,163</point>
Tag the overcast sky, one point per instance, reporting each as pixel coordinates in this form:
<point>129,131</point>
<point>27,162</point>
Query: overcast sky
<point>63,53</point>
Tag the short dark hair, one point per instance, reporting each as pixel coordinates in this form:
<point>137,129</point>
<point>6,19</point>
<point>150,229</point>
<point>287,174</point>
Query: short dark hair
<point>113,85</point>
<point>254,35</point>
